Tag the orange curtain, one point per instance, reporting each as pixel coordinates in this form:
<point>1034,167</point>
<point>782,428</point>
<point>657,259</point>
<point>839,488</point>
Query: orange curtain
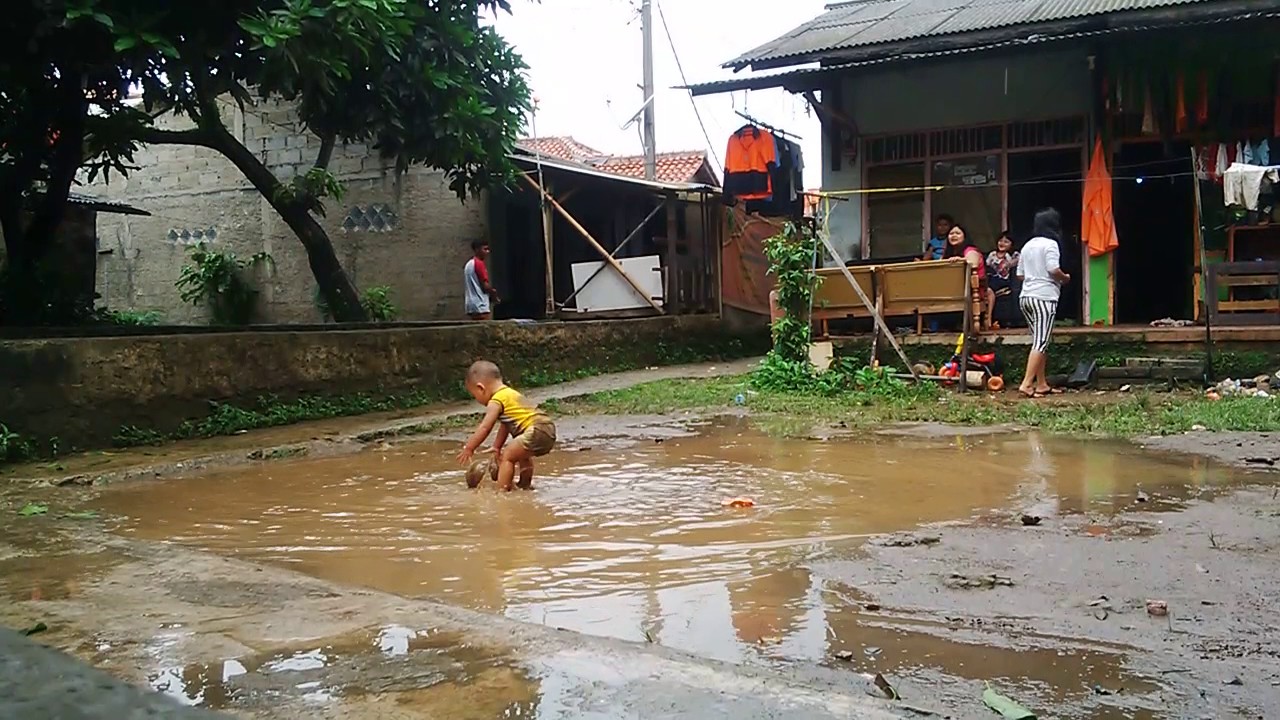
<point>1098,222</point>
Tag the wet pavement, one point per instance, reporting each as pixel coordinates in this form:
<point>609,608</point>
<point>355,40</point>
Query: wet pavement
<point>635,541</point>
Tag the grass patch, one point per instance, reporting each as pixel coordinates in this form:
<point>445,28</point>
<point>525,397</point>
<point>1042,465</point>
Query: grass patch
<point>791,414</point>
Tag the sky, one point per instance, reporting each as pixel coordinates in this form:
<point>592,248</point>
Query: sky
<point>585,69</point>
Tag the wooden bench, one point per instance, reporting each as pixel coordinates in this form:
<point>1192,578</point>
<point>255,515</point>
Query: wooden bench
<point>907,289</point>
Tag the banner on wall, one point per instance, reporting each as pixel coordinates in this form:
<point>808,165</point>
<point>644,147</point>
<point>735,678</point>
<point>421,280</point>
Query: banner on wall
<point>745,280</point>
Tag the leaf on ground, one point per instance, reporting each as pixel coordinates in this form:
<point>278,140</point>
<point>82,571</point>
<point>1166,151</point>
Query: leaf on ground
<point>1007,708</point>
<point>37,628</point>
<point>85,515</point>
<point>33,509</point>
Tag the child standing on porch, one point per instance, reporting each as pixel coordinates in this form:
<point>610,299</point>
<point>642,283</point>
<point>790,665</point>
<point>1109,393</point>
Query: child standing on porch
<point>532,432</point>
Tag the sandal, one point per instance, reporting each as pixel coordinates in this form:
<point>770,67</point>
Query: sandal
<point>1029,395</point>
<point>1050,391</point>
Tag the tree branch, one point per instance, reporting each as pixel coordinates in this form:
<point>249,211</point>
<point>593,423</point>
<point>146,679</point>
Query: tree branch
<point>196,137</point>
<point>327,142</point>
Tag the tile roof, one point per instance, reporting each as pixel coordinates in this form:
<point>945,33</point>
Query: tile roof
<point>872,25</point>
<point>564,147</point>
<point>672,167</point>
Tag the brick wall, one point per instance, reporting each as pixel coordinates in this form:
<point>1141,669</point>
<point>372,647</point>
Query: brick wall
<point>417,244</point>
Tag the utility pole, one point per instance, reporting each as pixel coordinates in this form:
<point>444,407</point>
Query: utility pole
<point>650,144</point>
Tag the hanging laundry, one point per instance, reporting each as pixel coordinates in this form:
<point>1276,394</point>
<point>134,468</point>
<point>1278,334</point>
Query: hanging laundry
<point>786,182</point>
<point>1242,184</point>
<point>1148,113</point>
<point>1220,162</point>
<point>1180,112</point>
<point>1246,154</point>
<point>1202,101</point>
<point>1238,157</point>
<point>750,158</point>
<point>1276,129</point>
<point>1262,154</point>
<point>1201,155</point>
<point>1098,223</point>
<point>1233,154</point>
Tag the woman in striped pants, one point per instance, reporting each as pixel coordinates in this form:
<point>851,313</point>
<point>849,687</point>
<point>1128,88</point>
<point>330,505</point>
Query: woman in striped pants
<point>1042,281</point>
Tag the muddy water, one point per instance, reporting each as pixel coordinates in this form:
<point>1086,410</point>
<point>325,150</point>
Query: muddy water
<point>639,544</point>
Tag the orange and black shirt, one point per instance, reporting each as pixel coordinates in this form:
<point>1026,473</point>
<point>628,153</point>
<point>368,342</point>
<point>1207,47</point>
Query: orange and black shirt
<point>752,155</point>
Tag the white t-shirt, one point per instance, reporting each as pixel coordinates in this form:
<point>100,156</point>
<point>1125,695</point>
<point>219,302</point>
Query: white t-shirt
<point>1036,263</point>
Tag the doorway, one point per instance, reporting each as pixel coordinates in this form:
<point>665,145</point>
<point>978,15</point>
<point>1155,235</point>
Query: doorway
<point>1051,179</point>
<point>1153,200</point>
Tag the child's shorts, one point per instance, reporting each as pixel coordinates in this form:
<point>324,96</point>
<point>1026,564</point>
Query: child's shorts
<point>539,439</point>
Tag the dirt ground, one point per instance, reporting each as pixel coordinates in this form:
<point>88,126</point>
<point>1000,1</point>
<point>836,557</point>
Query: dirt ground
<point>1066,597</point>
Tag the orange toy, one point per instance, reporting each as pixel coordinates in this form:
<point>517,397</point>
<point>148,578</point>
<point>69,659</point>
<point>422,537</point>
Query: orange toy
<point>740,502</point>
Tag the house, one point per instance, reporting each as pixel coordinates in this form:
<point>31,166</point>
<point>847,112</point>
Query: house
<point>687,166</point>
<point>548,249</point>
<point>988,110</point>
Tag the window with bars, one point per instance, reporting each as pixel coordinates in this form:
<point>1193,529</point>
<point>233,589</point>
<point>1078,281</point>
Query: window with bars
<point>972,141</point>
<point>1046,133</point>
<point>377,217</point>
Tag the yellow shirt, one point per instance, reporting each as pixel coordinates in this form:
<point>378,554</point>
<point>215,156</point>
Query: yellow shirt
<point>518,415</point>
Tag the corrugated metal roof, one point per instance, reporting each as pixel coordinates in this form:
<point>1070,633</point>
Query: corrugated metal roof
<point>867,23</point>
<point>105,206</point>
<point>810,78</point>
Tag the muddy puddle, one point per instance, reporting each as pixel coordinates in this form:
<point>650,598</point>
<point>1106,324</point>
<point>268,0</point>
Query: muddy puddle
<point>638,543</point>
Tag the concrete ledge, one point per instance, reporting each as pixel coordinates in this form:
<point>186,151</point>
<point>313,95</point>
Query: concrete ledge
<point>36,683</point>
<point>82,390</point>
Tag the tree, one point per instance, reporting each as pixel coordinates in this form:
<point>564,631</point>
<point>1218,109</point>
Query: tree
<point>423,82</point>
<point>62,108</point>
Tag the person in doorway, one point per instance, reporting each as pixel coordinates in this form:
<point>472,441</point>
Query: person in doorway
<point>936,246</point>
<point>532,432</point>
<point>478,292</point>
<point>1002,287</point>
<point>1042,279</point>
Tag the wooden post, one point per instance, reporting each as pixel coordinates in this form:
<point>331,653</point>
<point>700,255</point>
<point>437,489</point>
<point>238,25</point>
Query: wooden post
<point>875,338</point>
<point>548,227</point>
<point>672,292</point>
<point>599,248</point>
<point>969,277</point>
<point>848,276</point>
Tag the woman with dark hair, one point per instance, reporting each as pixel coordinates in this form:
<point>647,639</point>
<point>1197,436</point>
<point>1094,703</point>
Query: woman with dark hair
<point>1042,278</point>
<point>960,246</point>
<point>1002,284</point>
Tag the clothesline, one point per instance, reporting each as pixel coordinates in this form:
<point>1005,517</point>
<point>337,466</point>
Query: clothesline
<point>766,125</point>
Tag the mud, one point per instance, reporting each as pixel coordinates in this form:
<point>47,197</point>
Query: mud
<point>374,585</point>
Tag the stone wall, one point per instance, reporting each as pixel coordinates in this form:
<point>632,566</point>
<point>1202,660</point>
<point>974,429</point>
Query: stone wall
<point>83,390</point>
<point>417,244</point>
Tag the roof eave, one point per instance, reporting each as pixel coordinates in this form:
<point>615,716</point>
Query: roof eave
<point>1152,18</point>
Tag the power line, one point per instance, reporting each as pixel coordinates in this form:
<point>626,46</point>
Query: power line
<point>711,148</point>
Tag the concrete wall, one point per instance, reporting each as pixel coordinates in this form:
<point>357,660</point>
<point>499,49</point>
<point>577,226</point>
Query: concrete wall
<point>954,92</point>
<point>196,195</point>
<point>82,390</point>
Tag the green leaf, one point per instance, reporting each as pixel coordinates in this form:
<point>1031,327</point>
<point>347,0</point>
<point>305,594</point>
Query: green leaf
<point>84,515</point>
<point>127,42</point>
<point>104,20</point>
<point>1007,708</point>
<point>33,509</point>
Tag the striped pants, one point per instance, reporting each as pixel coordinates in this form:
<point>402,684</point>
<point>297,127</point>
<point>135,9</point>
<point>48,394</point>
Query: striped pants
<point>1039,315</point>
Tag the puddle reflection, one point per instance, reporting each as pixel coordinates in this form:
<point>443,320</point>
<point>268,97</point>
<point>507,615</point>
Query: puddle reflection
<point>637,543</point>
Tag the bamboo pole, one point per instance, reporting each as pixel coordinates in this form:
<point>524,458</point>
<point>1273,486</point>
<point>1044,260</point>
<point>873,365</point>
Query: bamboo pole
<point>598,247</point>
<point>848,276</point>
<point>634,234</point>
